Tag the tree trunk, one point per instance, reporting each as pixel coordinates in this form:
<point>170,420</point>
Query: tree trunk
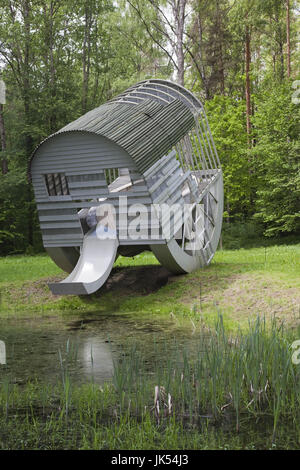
<point>50,78</point>
<point>4,165</point>
<point>248,82</point>
<point>86,56</point>
<point>201,67</point>
<point>179,16</point>
<point>220,58</point>
<point>279,40</point>
<point>281,60</point>
<point>27,111</point>
<point>288,37</point>
<point>53,125</point>
<point>221,69</point>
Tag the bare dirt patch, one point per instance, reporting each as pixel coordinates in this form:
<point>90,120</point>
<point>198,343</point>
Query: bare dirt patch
<point>248,295</point>
<point>33,292</point>
<point>139,280</point>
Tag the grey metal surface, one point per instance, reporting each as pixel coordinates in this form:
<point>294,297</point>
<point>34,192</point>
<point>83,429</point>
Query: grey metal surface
<point>66,258</point>
<point>153,145</point>
<point>178,260</point>
<point>197,147</point>
<point>146,131</point>
<point>82,158</point>
<point>93,267</point>
<point>163,91</point>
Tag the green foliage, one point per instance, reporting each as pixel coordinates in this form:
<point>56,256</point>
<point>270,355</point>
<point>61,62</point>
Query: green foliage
<point>226,116</point>
<point>277,126</point>
<point>13,217</point>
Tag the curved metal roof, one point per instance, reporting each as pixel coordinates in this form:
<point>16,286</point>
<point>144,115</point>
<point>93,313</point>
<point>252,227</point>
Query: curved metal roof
<point>147,120</point>
<point>163,91</point>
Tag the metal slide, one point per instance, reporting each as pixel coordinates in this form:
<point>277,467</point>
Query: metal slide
<point>93,267</point>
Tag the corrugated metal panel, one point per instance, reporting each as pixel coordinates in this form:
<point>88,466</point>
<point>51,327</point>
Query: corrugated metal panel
<point>146,131</point>
<point>163,91</point>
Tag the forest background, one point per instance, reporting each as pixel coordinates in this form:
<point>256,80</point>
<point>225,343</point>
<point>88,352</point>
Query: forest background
<point>60,59</point>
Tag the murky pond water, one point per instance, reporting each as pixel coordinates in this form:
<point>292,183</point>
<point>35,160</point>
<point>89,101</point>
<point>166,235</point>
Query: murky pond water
<point>33,346</point>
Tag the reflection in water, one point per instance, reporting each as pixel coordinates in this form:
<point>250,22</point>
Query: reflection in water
<point>96,359</point>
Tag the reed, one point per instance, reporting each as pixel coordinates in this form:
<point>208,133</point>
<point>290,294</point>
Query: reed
<point>249,375</point>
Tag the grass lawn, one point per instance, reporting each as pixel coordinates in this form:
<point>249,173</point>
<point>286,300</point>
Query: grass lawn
<point>239,284</point>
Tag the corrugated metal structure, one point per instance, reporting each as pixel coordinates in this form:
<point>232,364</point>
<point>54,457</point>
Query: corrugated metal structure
<point>150,145</point>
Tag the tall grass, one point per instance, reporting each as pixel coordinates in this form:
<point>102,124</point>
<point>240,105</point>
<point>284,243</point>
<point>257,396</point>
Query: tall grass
<point>66,360</point>
<point>249,375</point>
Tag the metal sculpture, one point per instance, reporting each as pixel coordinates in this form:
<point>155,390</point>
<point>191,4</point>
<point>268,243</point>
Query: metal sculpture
<point>149,148</point>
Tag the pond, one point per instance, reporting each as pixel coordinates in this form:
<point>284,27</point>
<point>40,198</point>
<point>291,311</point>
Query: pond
<point>202,392</point>
<point>38,347</point>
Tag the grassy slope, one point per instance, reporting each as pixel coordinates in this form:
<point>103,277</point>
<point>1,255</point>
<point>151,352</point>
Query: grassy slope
<point>239,284</point>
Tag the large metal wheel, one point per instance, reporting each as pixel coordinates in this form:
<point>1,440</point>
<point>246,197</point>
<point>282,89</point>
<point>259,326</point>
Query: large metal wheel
<point>200,233</point>
<point>64,257</point>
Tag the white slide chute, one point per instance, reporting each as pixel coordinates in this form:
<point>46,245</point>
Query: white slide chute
<point>95,263</point>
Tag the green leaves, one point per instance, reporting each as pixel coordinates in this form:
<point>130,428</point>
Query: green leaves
<point>227,120</point>
<point>278,162</point>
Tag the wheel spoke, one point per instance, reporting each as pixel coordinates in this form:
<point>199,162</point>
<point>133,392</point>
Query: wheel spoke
<point>216,201</point>
<point>206,214</point>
